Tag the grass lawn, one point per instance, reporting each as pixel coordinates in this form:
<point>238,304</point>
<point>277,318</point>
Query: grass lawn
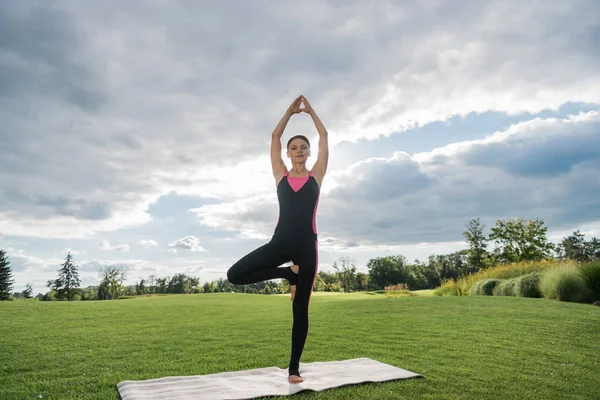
<point>466,347</point>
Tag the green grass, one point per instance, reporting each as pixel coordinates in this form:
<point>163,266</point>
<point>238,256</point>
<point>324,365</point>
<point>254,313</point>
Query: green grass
<point>481,347</point>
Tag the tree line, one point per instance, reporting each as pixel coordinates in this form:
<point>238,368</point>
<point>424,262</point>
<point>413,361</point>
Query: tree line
<point>509,241</point>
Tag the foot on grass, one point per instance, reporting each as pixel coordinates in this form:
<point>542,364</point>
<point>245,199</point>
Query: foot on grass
<point>295,269</point>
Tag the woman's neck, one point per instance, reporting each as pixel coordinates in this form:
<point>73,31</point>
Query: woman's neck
<point>299,169</point>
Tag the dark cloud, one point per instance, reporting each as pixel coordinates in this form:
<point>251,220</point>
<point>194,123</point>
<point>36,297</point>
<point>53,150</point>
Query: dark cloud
<point>40,48</point>
<point>55,205</point>
<point>547,153</point>
<point>381,180</point>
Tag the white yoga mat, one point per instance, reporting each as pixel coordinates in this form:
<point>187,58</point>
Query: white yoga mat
<point>270,381</point>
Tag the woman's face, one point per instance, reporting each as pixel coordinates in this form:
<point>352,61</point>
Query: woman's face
<point>298,150</point>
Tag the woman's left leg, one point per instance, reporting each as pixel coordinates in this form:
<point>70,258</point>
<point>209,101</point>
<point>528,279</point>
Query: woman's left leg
<point>307,258</point>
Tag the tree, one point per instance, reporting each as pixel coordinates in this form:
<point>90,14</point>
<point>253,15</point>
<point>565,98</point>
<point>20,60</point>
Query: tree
<point>6,281</point>
<point>384,271</point>
<point>593,248</point>
<point>477,256</point>
<point>68,280</point>
<point>574,247</point>
<point>319,285</point>
<point>329,281</point>
<point>346,274</point>
<point>28,292</point>
<point>209,287</point>
<point>518,240</point>
<point>140,287</point>
<point>111,284</point>
<point>362,281</point>
<point>179,283</point>
<point>450,266</point>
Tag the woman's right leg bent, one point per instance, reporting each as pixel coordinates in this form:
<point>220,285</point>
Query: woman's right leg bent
<point>261,265</point>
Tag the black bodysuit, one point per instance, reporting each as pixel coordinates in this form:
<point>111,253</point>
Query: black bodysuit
<point>295,240</point>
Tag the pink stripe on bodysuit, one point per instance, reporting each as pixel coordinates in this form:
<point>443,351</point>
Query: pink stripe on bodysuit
<point>314,224</point>
<point>315,275</point>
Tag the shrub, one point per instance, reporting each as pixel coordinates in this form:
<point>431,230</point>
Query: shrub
<point>565,284</point>
<point>400,289</point>
<point>506,287</point>
<point>528,285</point>
<point>484,287</point>
<point>507,271</point>
<point>590,273</point>
<point>449,288</point>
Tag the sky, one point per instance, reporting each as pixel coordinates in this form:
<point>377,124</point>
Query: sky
<point>137,134</point>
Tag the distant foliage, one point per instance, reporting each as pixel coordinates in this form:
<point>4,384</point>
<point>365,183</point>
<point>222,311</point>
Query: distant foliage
<point>28,292</point>
<point>477,255</point>
<point>508,271</point>
<point>6,277</point>
<point>400,289</point>
<point>484,287</point>
<point>514,248</point>
<point>575,247</point>
<point>67,284</point>
<point>565,284</point>
<point>590,273</point>
<point>520,240</point>
<point>506,287</point>
<point>528,285</point>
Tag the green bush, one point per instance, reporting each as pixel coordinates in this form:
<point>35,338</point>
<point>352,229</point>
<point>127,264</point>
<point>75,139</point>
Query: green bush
<point>590,273</point>
<point>449,290</point>
<point>528,285</point>
<point>505,288</point>
<point>565,284</point>
<point>484,287</point>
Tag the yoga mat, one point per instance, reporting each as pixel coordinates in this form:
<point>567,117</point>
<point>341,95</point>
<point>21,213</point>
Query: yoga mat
<point>270,381</point>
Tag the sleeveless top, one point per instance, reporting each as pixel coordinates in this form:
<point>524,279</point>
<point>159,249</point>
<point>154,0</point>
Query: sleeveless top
<point>298,200</point>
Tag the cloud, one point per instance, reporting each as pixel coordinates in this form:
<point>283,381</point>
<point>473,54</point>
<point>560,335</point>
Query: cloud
<point>131,266</point>
<point>190,243</point>
<point>430,197</point>
<point>20,262</point>
<point>105,245</point>
<point>73,252</point>
<point>42,54</point>
<point>103,111</point>
<point>147,244</point>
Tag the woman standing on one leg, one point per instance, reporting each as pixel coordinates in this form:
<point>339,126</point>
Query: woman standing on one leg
<point>295,236</point>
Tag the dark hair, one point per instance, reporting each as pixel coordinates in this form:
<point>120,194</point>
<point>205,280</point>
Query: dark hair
<point>298,137</point>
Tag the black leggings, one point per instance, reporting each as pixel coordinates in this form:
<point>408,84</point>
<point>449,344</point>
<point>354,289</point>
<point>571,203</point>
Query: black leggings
<point>262,265</point>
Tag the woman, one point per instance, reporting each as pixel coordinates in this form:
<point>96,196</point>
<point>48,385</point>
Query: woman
<point>295,235</point>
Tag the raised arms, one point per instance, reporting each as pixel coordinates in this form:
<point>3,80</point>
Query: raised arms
<point>279,168</point>
<point>320,167</point>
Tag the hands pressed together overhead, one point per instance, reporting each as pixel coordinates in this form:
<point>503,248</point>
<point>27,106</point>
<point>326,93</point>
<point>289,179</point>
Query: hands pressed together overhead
<point>295,106</point>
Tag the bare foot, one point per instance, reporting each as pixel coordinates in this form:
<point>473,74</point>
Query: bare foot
<point>295,379</point>
<point>295,269</point>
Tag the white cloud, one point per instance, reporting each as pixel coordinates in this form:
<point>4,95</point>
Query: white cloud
<point>73,252</point>
<point>147,244</point>
<point>21,262</point>
<point>190,243</point>
<point>105,245</point>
